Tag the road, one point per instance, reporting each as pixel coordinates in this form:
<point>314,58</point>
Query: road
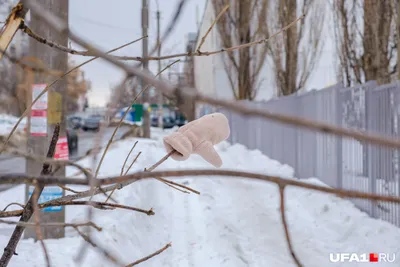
<point>87,139</point>
<point>10,164</point>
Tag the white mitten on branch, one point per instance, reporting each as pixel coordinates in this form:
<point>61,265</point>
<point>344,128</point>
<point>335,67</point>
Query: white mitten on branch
<point>199,137</point>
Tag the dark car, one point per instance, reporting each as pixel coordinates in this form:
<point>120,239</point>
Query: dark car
<point>92,123</point>
<point>72,137</point>
<point>76,122</point>
<point>168,122</point>
<point>180,120</point>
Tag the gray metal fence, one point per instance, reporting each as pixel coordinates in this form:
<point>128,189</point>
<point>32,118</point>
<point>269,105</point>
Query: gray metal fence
<point>338,162</point>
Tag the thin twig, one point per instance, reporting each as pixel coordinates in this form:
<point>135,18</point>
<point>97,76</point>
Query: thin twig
<point>27,224</point>
<point>59,25</point>
<point>76,173</point>
<point>189,54</point>
<point>161,161</point>
<point>285,225</point>
<point>103,251</point>
<point>52,44</point>
<point>176,184</point>
<point>120,123</point>
<point>28,109</point>
<point>122,119</point>
<point>126,159</point>
<point>109,188</point>
<point>149,256</point>
<point>120,181</point>
<point>101,205</point>
<point>68,189</point>
<point>92,180</point>
<point>29,207</point>
<point>168,31</point>
<point>310,124</point>
<point>94,204</point>
<point>133,162</point>
<point>172,186</point>
<point>36,218</point>
<point>13,203</point>
<point>222,50</point>
<point>203,39</point>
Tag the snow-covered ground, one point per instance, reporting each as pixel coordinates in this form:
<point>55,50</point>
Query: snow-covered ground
<point>234,222</point>
<point>384,210</point>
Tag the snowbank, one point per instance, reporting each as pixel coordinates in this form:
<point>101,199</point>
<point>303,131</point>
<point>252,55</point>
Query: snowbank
<point>7,122</point>
<point>234,222</point>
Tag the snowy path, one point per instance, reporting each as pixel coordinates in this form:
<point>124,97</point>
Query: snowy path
<point>233,222</point>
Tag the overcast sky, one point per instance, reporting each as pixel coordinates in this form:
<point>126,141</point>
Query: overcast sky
<point>112,23</point>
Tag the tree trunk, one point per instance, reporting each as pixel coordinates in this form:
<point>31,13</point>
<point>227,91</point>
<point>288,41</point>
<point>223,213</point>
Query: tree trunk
<point>244,79</point>
<point>289,8</point>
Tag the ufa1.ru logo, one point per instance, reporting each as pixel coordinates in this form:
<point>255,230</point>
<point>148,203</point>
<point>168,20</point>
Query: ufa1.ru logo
<point>362,257</point>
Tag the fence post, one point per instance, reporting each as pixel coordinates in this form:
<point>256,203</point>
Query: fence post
<point>339,144</point>
<point>229,115</point>
<point>297,106</point>
<point>368,151</point>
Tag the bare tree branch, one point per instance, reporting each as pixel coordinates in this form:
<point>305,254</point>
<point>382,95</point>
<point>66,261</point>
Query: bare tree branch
<point>47,180</point>
<point>203,39</point>
<point>52,44</point>
<point>47,88</point>
<point>29,207</point>
<point>149,256</point>
<point>126,159</point>
<point>285,225</point>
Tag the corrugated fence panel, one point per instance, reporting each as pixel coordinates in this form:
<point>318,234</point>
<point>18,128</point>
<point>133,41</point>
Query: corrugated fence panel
<point>338,162</point>
<point>353,103</point>
<point>327,167</point>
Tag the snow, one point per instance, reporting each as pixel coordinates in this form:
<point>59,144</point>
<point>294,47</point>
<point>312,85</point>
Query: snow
<point>234,222</point>
<point>7,122</point>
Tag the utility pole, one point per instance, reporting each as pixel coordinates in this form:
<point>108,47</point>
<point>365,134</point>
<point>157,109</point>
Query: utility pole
<point>145,54</point>
<point>48,111</point>
<point>160,95</point>
<point>398,40</point>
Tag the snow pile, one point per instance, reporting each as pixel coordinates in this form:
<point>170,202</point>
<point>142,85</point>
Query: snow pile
<point>234,222</point>
<point>7,122</point>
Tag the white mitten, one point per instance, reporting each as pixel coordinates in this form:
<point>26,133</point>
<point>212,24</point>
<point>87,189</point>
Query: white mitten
<point>199,137</point>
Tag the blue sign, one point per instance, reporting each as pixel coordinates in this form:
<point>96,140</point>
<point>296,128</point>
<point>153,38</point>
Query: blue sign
<point>130,116</point>
<point>49,193</point>
<point>132,113</point>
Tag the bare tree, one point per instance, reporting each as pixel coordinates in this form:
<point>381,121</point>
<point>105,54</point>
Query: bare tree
<point>366,34</point>
<point>295,53</point>
<point>244,22</point>
<point>77,87</point>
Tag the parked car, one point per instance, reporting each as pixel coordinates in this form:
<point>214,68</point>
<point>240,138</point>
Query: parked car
<point>76,121</point>
<point>168,122</point>
<point>72,138</point>
<point>92,123</point>
<point>180,119</point>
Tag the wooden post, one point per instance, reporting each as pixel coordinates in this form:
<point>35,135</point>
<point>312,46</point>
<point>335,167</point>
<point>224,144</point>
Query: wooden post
<point>41,124</point>
<point>145,53</point>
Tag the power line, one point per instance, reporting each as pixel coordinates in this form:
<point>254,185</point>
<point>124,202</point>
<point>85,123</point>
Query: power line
<point>102,24</point>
